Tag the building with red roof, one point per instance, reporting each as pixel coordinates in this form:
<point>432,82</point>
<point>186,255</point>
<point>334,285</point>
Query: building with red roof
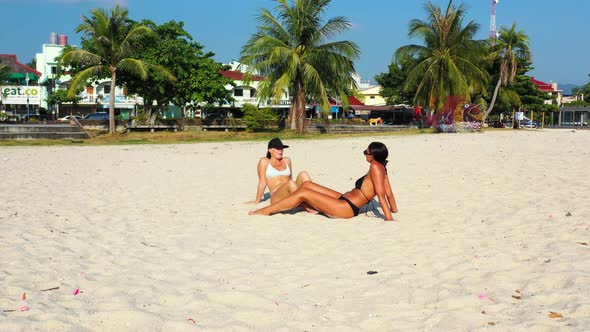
<point>18,70</point>
<point>246,91</point>
<point>550,89</point>
<point>239,76</point>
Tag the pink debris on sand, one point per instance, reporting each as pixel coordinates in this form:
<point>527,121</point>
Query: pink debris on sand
<point>76,291</point>
<point>482,296</point>
<point>24,308</point>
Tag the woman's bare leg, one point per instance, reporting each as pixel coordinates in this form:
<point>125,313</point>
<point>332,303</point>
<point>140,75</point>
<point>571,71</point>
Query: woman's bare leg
<point>319,201</point>
<point>283,191</point>
<point>302,178</point>
<point>321,189</point>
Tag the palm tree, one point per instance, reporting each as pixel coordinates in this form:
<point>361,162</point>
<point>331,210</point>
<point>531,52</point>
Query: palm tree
<point>449,59</point>
<point>512,49</point>
<point>4,72</point>
<point>112,39</point>
<point>293,52</point>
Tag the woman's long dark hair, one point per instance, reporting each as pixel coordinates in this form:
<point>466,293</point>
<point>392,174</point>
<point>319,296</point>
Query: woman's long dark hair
<point>379,152</point>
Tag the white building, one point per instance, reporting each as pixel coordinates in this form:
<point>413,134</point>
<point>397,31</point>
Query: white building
<point>95,96</point>
<point>245,92</point>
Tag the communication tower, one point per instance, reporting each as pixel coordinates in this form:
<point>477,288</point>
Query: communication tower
<point>493,32</point>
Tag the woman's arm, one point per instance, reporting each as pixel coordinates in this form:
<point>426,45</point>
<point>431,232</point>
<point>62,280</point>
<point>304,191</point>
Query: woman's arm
<point>261,169</point>
<point>389,194</point>
<point>290,167</point>
<point>378,176</point>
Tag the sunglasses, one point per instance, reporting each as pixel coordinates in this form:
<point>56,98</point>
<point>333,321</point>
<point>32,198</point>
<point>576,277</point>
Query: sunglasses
<point>366,152</point>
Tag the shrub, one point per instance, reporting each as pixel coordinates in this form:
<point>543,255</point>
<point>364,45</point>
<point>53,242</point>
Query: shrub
<point>257,118</point>
<point>357,121</point>
<point>140,115</point>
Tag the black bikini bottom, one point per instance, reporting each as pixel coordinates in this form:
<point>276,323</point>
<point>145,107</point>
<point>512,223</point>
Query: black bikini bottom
<point>355,209</point>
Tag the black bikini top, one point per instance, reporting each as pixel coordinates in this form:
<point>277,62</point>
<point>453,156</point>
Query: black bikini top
<point>359,183</point>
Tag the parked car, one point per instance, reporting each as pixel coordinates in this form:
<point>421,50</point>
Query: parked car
<point>529,124</point>
<point>496,124</point>
<point>11,118</point>
<point>97,116</point>
<point>68,117</point>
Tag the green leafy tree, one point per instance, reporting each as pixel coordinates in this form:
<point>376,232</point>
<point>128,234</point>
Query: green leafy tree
<point>450,59</point>
<point>258,118</point>
<point>532,98</point>
<point>198,75</point>
<point>394,80</point>
<point>111,41</point>
<point>293,51</point>
<point>583,90</point>
<point>577,103</point>
<point>60,97</point>
<point>32,63</point>
<point>69,67</point>
<point>512,49</point>
<point>509,96</point>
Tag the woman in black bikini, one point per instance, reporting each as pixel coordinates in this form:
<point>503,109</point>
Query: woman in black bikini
<point>347,205</point>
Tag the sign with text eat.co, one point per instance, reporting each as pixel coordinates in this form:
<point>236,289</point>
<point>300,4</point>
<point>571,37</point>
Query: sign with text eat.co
<point>18,95</point>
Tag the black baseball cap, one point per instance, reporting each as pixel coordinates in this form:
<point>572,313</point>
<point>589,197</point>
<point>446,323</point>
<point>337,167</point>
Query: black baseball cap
<point>276,143</point>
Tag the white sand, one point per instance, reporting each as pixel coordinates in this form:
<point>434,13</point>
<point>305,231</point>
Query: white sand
<point>154,236</point>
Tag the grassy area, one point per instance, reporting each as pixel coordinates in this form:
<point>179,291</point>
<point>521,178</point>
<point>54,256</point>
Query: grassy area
<point>163,137</point>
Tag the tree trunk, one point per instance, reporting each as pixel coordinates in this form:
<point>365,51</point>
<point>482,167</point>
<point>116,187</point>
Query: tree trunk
<point>112,101</point>
<point>293,114</point>
<point>147,110</point>
<point>154,115</point>
<point>297,111</point>
<point>496,90</point>
<point>301,114</point>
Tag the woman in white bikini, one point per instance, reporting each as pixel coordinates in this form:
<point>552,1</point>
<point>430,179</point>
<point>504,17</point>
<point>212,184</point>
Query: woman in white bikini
<point>275,172</point>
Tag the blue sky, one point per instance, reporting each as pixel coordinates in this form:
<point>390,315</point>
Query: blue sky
<point>558,29</point>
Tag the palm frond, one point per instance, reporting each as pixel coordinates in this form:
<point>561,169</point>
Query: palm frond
<point>83,57</point>
<point>81,79</point>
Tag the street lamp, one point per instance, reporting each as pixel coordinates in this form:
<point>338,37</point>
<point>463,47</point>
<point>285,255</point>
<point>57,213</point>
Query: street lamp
<point>27,79</point>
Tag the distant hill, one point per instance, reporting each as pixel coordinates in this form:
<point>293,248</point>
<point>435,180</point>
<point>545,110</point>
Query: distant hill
<point>567,88</point>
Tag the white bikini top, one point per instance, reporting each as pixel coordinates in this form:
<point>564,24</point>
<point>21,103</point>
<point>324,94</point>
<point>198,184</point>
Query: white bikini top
<point>271,172</point>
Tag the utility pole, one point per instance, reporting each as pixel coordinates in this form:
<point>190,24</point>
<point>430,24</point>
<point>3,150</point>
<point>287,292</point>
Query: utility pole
<point>27,79</point>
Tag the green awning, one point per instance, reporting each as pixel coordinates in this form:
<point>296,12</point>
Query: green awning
<point>22,76</point>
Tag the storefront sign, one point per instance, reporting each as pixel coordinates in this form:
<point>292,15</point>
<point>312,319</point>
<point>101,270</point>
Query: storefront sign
<point>20,95</point>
